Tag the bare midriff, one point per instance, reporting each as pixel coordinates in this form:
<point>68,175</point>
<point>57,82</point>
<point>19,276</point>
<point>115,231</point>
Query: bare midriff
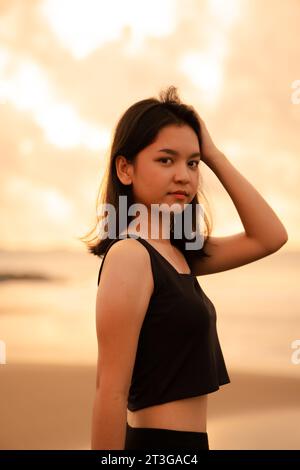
<point>188,414</point>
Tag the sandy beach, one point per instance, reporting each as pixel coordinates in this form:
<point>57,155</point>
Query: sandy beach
<point>47,385</point>
<point>50,407</point>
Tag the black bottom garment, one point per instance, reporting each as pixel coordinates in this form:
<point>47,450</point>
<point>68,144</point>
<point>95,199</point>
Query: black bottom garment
<point>156,438</point>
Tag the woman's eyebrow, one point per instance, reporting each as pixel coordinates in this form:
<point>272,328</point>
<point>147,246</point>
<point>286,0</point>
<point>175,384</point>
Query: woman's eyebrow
<point>174,152</point>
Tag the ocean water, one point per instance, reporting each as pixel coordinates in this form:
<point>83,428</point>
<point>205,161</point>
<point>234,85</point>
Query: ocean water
<point>50,317</point>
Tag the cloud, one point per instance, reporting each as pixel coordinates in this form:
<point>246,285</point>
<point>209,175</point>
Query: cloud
<point>56,124</point>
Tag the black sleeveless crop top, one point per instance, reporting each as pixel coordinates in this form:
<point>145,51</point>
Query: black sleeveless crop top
<point>178,353</point>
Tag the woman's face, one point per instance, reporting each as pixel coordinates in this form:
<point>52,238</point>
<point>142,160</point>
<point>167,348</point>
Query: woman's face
<point>156,172</point>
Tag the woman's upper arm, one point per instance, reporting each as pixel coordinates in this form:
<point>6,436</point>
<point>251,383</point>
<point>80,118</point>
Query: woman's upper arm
<point>124,291</point>
<point>229,252</point>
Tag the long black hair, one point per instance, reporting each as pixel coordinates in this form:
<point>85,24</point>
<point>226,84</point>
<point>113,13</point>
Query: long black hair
<point>136,129</point>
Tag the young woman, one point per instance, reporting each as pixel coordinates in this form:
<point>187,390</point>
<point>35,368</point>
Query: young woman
<point>158,350</point>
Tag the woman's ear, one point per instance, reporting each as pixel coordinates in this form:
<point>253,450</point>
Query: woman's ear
<point>123,169</point>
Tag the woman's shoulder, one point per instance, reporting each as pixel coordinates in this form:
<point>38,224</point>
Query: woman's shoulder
<point>127,253</point>
<point>127,259</point>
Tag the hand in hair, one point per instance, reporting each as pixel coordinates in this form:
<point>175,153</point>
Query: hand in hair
<point>209,151</point>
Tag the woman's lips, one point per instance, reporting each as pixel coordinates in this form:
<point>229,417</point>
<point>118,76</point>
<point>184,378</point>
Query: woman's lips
<point>178,195</point>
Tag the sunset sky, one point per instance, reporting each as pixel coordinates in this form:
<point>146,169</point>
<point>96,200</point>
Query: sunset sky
<point>70,68</point>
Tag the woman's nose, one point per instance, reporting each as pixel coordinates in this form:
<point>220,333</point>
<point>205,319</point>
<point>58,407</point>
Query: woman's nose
<point>182,174</point>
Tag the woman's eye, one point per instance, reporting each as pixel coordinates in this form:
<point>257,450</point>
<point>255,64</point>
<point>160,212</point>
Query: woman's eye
<point>165,158</point>
<point>196,161</point>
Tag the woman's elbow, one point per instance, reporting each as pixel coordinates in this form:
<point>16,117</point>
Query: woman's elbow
<point>280,240</point>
